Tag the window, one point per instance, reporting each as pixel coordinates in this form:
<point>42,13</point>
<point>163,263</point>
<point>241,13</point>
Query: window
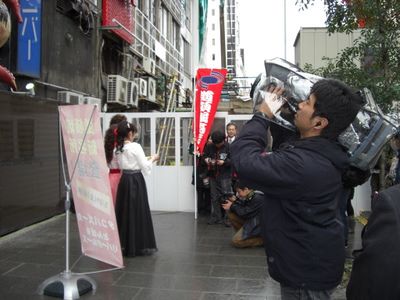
<point>165,141</point>
<point>143,138</point>
<point>164,21</point>
<point>186,157</point>
<point>213,12</point>
<point>187,57</point>
<point>213,42</point>
<point>231,39</point>
<point>213,56</point>
<point>213,26</point>
<point>173,32</point>
<point>188,13</point>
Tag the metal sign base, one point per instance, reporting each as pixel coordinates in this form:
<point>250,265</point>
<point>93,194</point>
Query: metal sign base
<point>67,286</point>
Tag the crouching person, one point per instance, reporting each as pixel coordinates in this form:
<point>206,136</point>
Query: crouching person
<point>244,215</point>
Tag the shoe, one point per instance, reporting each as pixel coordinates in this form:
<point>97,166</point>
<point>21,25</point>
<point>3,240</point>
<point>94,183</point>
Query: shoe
<point>213,221</point>
<point>227,223</point>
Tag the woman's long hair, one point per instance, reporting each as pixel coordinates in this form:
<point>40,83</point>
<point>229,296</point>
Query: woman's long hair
<point>123,130</point>
<point>110,142</point>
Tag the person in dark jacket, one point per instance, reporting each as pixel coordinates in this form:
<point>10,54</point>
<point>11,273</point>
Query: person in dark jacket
<point>351,178</point>
<point>244,212</point>
<point>376,269</point>
<point>302,237</point>
<point>217,157</point>
<point>396,144</point>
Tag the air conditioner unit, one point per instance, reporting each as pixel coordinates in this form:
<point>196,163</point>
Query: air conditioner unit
<point>151,89</point>
<point>142,85</point>
<point>117,89</point>
<point>92,100</point>
<point>133,94</point>
<point>70,97</point>
<point>149,65</point>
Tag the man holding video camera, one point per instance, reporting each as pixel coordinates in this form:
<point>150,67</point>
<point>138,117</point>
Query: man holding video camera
<point>217,158</point>
<point>244,213</point>
<point>303,239</point>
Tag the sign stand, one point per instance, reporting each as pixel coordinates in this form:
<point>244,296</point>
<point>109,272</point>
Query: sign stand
<point>68,285</point>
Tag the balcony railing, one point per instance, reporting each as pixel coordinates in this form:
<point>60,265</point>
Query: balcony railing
<point>147,37</point>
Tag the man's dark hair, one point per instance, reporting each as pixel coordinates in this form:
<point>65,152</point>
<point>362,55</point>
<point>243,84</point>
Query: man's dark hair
<point>240,185</point>
<point>254,85</point>
<point>231,124</point>
<point>336,102</point>
<point>217,137</point>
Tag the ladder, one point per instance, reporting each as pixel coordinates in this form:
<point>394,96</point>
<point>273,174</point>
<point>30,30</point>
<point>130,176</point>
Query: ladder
<point>167,125</point>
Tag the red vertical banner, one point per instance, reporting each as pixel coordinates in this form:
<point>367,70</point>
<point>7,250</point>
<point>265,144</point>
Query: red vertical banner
<point>88,173</point>
<point>209,83</point>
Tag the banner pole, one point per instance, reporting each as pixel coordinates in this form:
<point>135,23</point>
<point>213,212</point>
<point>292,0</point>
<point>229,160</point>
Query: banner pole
<point>195,153</point>
<point>67,222</point>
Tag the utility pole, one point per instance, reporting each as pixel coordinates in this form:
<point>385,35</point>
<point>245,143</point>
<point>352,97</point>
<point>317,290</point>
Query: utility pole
<point>222,33</point>
<point>284,28</point>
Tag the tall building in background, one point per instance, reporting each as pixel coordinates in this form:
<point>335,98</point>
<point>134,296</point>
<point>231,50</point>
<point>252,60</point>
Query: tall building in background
<point>210,54</point>
<point>221,39</point>
<point>232,37</point>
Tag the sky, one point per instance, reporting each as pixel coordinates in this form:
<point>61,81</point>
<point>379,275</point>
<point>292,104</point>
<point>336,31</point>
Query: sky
<point>262,29</point>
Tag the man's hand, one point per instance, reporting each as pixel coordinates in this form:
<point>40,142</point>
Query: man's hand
<point>272,96</point>
<point>220,162</point>
<point>227,205</point>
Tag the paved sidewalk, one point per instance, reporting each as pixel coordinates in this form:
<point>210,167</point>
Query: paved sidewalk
<point>194,261</point>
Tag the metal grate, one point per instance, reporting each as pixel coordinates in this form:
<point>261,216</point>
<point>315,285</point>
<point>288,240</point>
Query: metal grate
<point>122,11</point>
<point>112,89</point>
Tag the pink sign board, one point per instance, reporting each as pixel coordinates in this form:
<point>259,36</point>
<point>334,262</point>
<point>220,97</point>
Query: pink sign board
<point>90,184</point>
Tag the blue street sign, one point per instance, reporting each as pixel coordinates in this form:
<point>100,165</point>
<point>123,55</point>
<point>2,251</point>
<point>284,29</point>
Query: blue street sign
<point>29,38</point>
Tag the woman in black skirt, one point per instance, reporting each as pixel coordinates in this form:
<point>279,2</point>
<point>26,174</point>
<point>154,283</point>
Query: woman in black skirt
<point>132,210</point>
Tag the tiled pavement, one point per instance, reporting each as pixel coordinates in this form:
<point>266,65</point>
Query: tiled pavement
<point>194,261</point>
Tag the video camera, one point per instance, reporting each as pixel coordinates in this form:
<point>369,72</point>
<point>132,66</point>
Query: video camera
<point>224,198</point>
<point>364,139</point>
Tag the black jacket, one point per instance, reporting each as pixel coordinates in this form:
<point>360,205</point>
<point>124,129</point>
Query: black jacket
<point>222,153</point>
<point>376,270</point>
<point>250,211</point>
<point>303,239</point>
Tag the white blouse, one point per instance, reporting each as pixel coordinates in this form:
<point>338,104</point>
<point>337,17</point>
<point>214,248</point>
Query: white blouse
<point>133,158</point>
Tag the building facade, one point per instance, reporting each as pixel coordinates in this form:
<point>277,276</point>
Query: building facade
<point>221,45</point>
<point>314,43</point>
<point>124,55</point>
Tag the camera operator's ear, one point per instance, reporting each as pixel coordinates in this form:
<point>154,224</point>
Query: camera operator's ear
<point>321,123</point>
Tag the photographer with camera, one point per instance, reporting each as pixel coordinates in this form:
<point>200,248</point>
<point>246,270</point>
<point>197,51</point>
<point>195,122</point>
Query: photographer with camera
<point>303,239</point>
<point>244,213</point>
<point>217,157</point>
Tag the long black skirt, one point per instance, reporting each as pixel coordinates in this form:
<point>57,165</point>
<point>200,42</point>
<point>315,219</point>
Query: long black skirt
<point>133,215</point>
